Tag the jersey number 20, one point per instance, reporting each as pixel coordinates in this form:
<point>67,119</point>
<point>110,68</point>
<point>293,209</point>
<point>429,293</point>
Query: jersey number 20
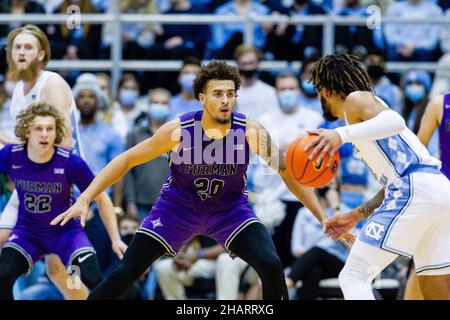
<point>207,188</point>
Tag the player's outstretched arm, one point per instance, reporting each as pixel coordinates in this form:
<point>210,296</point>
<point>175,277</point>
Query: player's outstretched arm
<point>260,142</point>
<point>431,119</point>
<point>108,216</point>
<point>336,226</point>
<point>164,140</point>
<point>369,119</point>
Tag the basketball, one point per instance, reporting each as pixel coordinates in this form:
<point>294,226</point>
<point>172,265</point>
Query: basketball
<point>305,171</point>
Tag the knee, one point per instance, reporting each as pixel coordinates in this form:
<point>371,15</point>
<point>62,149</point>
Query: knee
<point>164,269</point>
<point>348,276</point>
<point>55,269</point>
<point>225,263</point>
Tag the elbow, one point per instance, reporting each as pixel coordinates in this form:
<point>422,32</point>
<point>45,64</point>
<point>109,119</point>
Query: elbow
<point>392,120</point>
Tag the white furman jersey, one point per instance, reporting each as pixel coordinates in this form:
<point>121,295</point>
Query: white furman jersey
<point>20,102</point>
<point>389,158</point>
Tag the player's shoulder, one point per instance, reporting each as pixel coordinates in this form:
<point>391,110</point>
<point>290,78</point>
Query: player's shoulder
<point>171,129</point>
<point>239,117</point>
<point>8,149</point>
<point>359,96</point>
<point>15,147</point>
<point>64,153</point>
<point>253,124</point>
<point>187,118</point>
<point>359,100</point>
<point>55,81</point>
<point>436,106</point>
<point>438,101</point>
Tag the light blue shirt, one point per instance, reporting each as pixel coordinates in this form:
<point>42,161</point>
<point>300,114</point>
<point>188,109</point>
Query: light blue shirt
<point>422,35</point>
<point>101,144</point>
<point>178,106</point>
<point>390,93</point>
<point>310,103</point>
<point>433,145</point>
<point>222,32</point>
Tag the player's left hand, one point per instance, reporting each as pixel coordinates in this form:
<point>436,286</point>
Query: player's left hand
<point>348,239</point>
<point>119,248</point>
<point>79,209</point>
<point>326,142</point>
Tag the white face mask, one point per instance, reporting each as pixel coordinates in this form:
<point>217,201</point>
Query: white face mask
<point>128,97</point>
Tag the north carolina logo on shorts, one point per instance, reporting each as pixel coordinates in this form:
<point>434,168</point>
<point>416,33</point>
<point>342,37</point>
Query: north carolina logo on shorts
<point>156,223</point>
<point>374,230</point>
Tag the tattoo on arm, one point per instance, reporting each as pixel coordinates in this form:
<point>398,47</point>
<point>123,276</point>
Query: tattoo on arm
<point>282,166</point>
<point>368,208</point>
<point>270,153</point>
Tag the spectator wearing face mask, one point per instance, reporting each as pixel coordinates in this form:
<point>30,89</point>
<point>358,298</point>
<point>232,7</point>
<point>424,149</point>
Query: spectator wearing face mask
<point>255,97</point>
<point>384,88</point>
<point>100,141</point>
<point>185,101</point>
<point>417,85</point>
<point>308,93</point>
<point>285,124</point>
<point>143,183</point>
<point>125,109</point>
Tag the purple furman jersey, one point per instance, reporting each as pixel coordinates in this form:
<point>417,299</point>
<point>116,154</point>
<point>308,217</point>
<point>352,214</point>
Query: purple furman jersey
<point>444,136</point>
<point>45,191</point>
<point>208,175</point>
<point>206,190</point>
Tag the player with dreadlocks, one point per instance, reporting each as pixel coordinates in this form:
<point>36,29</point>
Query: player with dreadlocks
<point>410,216</point>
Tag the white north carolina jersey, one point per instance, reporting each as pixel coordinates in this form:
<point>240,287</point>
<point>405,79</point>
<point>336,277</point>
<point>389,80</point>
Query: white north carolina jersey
<point>20,102</point>
<point>389,158</point>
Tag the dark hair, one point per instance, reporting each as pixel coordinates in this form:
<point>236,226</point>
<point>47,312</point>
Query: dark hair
<point>128,217</point>
<point>376,52</point>
<point>191,61</point>
<point>215,70</point>
<point>127,77</point>
<point>342,74</point>
<point>311,59</point>
<point>243,49</point>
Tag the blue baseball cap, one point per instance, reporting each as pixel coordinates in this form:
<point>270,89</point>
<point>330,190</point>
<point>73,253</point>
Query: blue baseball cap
<point>419,76</point>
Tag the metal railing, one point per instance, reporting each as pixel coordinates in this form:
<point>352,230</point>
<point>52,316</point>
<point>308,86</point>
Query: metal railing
<point>116,64</point>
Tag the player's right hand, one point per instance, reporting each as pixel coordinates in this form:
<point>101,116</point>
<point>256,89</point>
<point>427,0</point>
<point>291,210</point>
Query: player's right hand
<point>336,227</point>
<point>78,209</point>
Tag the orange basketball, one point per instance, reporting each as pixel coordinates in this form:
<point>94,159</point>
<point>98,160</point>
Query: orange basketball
<point>306,171</point>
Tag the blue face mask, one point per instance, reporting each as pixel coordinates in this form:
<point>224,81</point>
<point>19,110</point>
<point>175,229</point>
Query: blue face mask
<point>158,112</point>
<point>308,87</point>
<point>186,81</point>
<point>415,92</point>
<point>288,99</point>
<point>128,97</point>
